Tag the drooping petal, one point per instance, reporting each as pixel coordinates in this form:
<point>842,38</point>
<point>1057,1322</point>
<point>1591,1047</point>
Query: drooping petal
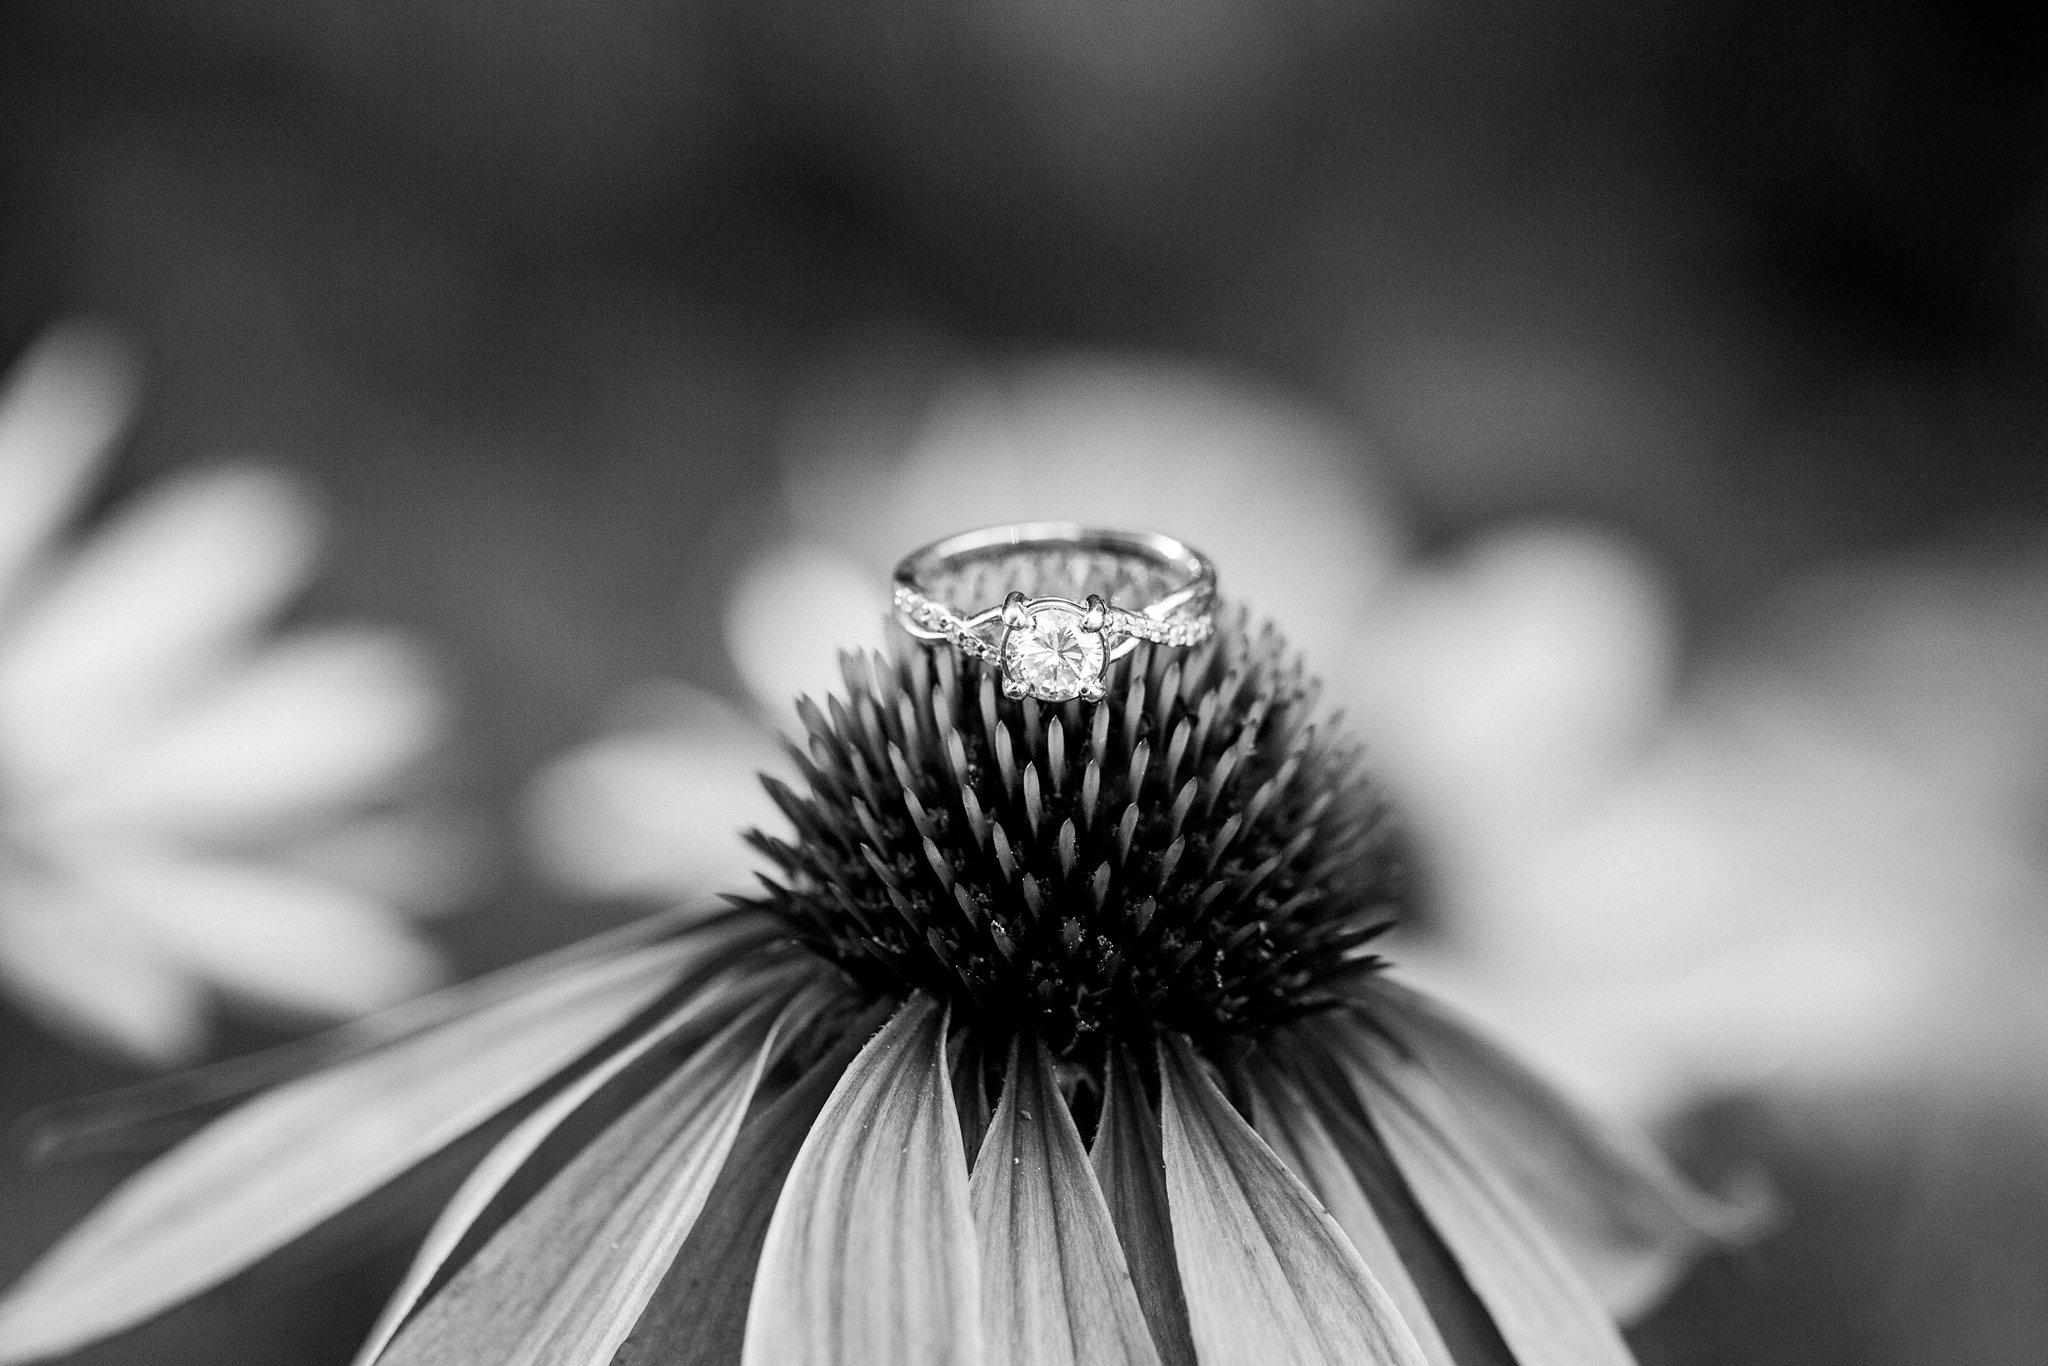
<point>870,1257</point>
<point>269,1171</point>
<point>154,602</point>
<point>266,934</point>
<point>1460,1318</point>
<point>1299,1138</point>
<point>310,725</point>
<point>137,1117</point>
<point>698,1316</point>
<point>1627,1219</point>
<point>563,1282</point>
<point>490,1176</point>
<point>1270,1277</point>
<point>1055,1291</point>
<point>60,409</point>
<point>1132,1175</point>
<point>1545,1311</point>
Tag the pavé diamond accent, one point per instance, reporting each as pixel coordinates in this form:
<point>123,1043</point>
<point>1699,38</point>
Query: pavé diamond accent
<point>1053,654</point>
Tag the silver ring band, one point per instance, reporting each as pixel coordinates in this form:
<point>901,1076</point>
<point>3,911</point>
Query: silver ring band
<point>1050,604</point>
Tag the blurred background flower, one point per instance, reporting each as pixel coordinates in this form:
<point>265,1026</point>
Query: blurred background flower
<point>1665,388</point>
<point>183,795</point>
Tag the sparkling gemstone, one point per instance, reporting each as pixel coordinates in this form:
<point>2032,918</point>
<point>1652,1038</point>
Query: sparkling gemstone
<point>1052,655</point>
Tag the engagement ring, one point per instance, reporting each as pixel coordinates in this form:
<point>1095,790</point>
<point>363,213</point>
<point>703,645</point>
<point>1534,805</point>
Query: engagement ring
<point>1050,604</point>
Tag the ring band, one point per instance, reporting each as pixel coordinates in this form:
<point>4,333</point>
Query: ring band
<point>1050,604</point>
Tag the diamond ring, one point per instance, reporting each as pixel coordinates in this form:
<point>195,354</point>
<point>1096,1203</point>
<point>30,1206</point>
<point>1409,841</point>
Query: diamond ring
<point>1050,604</point>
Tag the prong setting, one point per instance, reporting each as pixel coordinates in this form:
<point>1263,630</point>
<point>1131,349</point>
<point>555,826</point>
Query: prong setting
<point>1015,613</point>
<point>1097,613</point>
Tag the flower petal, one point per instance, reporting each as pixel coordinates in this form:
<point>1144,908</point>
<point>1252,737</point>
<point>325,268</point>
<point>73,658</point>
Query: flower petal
<point>490,1176</point>
<point>62,406</point>
<point>152,604</point>
<point>266,934</point>
<point>1133,1178</point>
<point>312,724</point>
<point>1270,1278</point>
<point>267,1172</point>
<point>1054,1286</point>
<point>698,1316</point>
<point>1546,1314</point>
<point>565,1279</point>
<point>870,1257</point>
<point>1290,1125</point>
<point>786,599</point>
<point>1460,1318</point>
<point>656,811</point>
<point>1628,1220</point>
<point>133,1117</point>
<point>77,965</point>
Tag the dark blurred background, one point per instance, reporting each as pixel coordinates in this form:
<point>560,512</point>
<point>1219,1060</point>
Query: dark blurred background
<point>524,289</point>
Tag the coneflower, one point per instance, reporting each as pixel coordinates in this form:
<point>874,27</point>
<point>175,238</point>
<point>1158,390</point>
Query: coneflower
<point>1058,1038</point>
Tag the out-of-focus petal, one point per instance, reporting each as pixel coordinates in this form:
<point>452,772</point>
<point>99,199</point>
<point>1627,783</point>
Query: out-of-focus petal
<point>1278,492</point>
<point>419,857</point>
<point>698,1315</point>
<point>870,1257</point>
<point>1545,1312</point>
<point>267,1172</point>
<point>61,407</point>
<point>1270,1278</point>
<point>657,811</point>
<point>310,724</point>
<point>79,966</point>
<point>1055,1291</point>
<point>1503,689</point>
<point>1627,1219</point>
<point>149,606</point>
<point>565,1279</point>
<point>504,1161</point>
<point>792,609</point>
<point>1299,1138</point>
<point>1132,1174</point>
<point>265,934</point>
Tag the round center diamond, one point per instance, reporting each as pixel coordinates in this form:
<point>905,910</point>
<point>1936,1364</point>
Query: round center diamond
<point>1052,655</point>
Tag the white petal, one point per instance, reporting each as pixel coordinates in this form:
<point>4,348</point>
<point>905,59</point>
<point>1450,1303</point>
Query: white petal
<point>656,812</point>
<point>1546,1313</point>
<point>1505,687</point>
<point>510,1154</point>
<point>62,406</point>
<point>870,1258</point>
<point>1055,1290</point>
<point>1630,1222</point>
<point>791,612</point>
<point>276,1167</point>
<point>564,1280</point>
<point>311,724</point>
<point>1290,1125</point>
<point>148,607</point>
<point>81,967</point>
<point>1270,1279</point>
<point>266,934</point>
<point>418,858</point>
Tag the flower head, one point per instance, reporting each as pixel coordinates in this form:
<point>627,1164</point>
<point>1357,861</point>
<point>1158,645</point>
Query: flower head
<point>1057,1039</point>
<point>1200,857</point>
<point>185,799</point>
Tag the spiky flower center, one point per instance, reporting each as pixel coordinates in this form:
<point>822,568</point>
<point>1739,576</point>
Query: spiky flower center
<point>1191,853</point>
